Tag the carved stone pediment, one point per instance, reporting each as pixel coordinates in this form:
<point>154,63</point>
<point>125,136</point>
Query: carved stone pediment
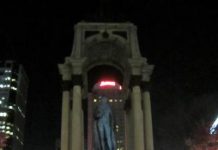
<point>105,51</point>
<point>114,44</point>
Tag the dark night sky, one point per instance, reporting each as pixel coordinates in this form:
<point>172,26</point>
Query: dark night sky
<point>180,38</point>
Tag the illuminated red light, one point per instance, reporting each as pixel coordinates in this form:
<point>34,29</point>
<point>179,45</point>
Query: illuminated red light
<point>107,83</point>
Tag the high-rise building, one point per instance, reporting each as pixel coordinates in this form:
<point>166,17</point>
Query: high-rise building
<point>13,98</point>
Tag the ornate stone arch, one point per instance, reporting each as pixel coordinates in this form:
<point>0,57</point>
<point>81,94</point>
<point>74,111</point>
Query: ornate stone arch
<point>110,44</point>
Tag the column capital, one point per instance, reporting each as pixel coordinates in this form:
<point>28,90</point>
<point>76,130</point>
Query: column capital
<point>66,85</point>
<point>77,79</point>
<point>127,105</point>
<point>65,71</point>
<point>145,86</point>
<point>147,72</point>
<point>135,80</point>
<point>77,64</point>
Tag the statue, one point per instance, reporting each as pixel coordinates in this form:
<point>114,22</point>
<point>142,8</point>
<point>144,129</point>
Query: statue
<point>104,138</point>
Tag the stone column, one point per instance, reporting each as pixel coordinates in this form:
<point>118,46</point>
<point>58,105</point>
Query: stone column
<point>147,118</point>
<point>65,120</point>
<point>128,125</point>
<point>65,71</point>
<point>76,120</point>
<point>137,118</point>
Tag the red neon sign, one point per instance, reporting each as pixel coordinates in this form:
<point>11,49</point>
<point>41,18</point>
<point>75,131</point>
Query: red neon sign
<point>107,83</point>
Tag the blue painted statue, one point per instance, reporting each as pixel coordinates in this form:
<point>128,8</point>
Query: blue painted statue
<point>104,138</point>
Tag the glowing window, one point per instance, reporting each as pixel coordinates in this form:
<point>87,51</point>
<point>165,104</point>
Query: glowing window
<point>4,85</point>
<point>14,88</point>
<point>8,78</point>
<point>2,127</point>
<point>8,70</point>
<point>3,114</point>
<point>10,107</point>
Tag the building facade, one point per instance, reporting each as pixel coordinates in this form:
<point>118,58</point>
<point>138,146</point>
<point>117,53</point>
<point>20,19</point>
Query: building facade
<point>13,98</point>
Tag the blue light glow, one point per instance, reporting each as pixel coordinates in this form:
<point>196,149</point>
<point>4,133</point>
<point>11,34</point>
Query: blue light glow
<point>214,126</point>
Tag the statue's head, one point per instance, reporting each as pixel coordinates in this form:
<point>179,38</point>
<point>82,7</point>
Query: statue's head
<point>103,99</point>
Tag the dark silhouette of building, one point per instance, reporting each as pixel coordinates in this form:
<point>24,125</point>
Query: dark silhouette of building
<point>13,98</point>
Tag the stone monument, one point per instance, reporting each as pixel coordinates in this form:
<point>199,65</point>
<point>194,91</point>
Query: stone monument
<point>115,45</point>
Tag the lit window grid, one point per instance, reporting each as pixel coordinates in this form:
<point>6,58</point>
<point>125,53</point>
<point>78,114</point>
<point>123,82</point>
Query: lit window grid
<point>10,133</point>
<point>7,70</point>
<point>5,81</point>
<point>6,106</point>
<point>6,88</point>
<point>2,98</point>
<point>2,105</point>
<point>3,114</point>
<point>11,108</point>
<point>5,127</point>
<point>8,130</point>
<point>7,78</point>
<point>18,134</point>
